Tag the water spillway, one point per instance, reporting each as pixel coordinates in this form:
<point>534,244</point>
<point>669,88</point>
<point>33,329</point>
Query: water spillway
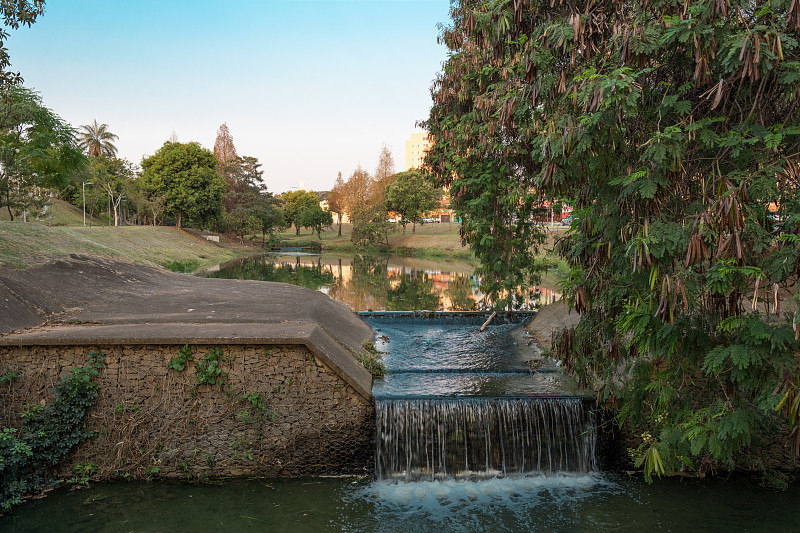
<point>458,403</point>
<point>438,438</point>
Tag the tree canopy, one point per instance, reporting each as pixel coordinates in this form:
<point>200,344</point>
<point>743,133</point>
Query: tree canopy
<point>38,150</point>
<point>224,150</point>
<point>185,176</point>
<point>363,198</point>
<point>316,219</point>
<point>115,177</point>
<point>248,206</point>
<point>411,194</point>
<point>336,200</point>
<point>97,141</point>
<point>295,203</point>
<point>673,130</point>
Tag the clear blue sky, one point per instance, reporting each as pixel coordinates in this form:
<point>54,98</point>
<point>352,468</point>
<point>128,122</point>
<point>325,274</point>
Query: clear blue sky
<point>310,88</point>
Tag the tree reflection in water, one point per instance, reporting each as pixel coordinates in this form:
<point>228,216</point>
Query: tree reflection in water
<point>365,282</point>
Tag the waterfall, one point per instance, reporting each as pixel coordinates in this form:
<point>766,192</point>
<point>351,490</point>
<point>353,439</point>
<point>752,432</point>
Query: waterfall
<point>436,438</point>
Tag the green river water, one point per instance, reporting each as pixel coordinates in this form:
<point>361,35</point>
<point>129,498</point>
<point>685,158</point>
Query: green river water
<point>559,503</point>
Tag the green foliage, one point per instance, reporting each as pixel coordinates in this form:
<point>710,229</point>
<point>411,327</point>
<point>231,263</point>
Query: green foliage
<point>10,376</point>
<point>370,226</point>
<point>184,358</point>
<point>209,368</point>
<point>183,267</point>
<point>111,176</point>
<point>47,434</point>
<point>411,195</point>
<point>83,473</point>
<point>152,472</point>
<point>316,219</point>
<point>371,359</point>
<point>185,177</point>
<point>97,141</point>
<point>249,208</point>
<point>37,150</point>
<point>255,400</point>
<point>363,198</point>
<point>673,130</point>
<point>295,205</point>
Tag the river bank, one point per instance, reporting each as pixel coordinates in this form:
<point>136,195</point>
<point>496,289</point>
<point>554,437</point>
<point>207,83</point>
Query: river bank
<point>435,241</point>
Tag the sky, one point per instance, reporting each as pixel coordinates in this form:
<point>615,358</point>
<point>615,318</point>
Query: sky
<point>309,87</point>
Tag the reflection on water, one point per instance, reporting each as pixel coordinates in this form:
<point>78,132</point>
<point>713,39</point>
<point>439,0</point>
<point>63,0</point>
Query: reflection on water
<point>377,283</point>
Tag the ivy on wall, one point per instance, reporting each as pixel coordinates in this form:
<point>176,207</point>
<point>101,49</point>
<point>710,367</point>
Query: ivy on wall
<point>47,435</point>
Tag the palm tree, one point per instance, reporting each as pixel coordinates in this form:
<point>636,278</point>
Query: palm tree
<point>97,141</point>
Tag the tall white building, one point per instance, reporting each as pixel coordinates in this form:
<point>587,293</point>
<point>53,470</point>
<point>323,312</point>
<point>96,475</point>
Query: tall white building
<point>416,147</point>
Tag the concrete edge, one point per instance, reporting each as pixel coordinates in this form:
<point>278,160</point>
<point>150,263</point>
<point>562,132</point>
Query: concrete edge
<point>335,356</point>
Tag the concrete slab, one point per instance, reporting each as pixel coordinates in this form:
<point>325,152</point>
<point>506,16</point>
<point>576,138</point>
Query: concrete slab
<point>124,302</point>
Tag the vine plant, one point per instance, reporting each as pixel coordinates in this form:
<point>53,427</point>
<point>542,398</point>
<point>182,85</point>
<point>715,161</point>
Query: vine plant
<point>47,434</point>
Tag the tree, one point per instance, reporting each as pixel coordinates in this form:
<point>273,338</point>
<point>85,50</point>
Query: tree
<point>295,203</point>
<point>97,141</point>
<point>225,154</point>
<point>149,206</point>
<point>185,176</point>
<point>384,175</point>
<point>316,219</point>
<point>248,205</point>
<point>411,195</point>
<point>114,176</point>
<point>37,151</point>
<point>15,13</point>
<point>367,215</point>
<point>271,221</point>
<point>336,200</point>
<point>671,129</point>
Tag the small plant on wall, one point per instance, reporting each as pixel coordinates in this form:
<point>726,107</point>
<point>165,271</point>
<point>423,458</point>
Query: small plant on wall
<point>372,360</point>
<point>184,358</point>
<point>208,368</point>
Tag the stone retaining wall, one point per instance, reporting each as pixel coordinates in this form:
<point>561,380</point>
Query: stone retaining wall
<point>280,412</point>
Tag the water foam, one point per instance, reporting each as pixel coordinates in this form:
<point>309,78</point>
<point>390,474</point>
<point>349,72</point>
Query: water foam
<point>524,503</point>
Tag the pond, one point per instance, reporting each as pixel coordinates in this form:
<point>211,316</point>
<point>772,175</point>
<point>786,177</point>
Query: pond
<point>390,283</point>
<point>558,503</point>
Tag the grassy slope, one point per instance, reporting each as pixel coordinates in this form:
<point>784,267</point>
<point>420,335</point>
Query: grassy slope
<point>25,244</point>
<point>60,213</point>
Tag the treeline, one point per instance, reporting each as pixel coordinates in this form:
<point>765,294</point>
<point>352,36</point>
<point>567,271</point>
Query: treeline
<point>367,200</point>
<point>184,184</point>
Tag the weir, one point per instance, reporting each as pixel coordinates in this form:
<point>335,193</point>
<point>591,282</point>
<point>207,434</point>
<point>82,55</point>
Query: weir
<point>439,438</point>
<point>458,403</point>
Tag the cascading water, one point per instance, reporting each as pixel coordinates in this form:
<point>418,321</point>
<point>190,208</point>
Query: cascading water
<point>441,438</point>
<point>458,403</point>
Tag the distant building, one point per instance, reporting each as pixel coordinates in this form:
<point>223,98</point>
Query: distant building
<point>416,147</point>
<point>326,207</point>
